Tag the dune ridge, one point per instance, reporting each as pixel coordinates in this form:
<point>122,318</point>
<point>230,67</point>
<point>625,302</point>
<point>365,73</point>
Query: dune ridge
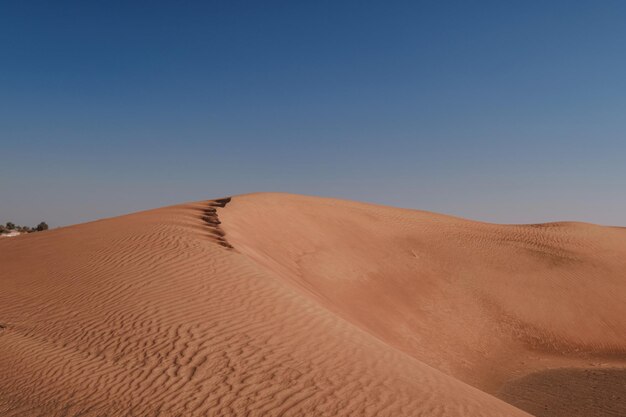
<point>286,305</point>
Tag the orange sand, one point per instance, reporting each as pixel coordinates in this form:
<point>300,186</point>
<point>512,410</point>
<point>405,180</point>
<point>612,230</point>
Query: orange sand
<point>285,305</point>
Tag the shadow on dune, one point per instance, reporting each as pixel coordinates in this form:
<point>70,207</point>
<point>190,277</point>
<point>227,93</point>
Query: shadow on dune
<point>569,392</point>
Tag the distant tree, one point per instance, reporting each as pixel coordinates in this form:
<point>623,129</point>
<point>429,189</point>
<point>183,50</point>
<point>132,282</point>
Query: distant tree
<point>42,226</point>
<point>10,226</point>
<point>3,229</point>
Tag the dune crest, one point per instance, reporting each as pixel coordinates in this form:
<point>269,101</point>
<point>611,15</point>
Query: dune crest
<point>285,305</point>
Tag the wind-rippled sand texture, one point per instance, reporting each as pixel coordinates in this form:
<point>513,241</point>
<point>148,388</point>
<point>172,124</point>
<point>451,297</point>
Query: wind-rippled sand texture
<point>285,305</point>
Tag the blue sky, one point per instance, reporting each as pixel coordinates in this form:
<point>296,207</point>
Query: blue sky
<point>498,111</point>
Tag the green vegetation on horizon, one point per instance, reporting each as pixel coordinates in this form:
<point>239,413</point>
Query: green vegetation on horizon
<point>10,226</point>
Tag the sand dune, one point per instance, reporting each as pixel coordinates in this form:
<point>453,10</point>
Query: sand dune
<point>285,305</point>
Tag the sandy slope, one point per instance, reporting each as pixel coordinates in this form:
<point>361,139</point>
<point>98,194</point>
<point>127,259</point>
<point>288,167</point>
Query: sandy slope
<point>286,305</point>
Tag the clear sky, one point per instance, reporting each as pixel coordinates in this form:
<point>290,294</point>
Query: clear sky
<point>494,110</point>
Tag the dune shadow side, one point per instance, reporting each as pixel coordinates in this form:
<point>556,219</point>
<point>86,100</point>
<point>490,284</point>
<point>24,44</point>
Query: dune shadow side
<point>570,392</point>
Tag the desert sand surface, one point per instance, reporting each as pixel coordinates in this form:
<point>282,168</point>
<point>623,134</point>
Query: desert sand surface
<point>285,305</point>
